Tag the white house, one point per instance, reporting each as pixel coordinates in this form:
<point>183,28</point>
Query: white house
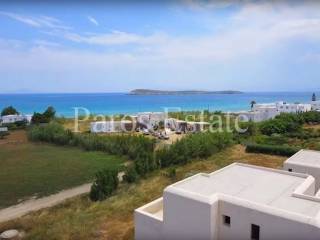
<point>15,118</point>
<point>264,111</point>
<point>262,114</point>
<point>112,126</point>
<point>150,119</point>
<point>315,105</point>
<point>305,161</point>
<point>237,202</point>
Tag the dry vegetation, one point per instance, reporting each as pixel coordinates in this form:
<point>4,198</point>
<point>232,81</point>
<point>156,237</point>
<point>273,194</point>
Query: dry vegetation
<point>113,219</point>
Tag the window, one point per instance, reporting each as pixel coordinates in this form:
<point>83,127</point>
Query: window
<point>226,220</point>
<point>255,232</point>
<point>290,169</point>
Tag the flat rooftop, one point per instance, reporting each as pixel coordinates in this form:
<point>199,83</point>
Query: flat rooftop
<point>306,158</point>
<point>260,185</point>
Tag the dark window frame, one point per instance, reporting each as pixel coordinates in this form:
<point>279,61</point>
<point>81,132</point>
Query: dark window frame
<point>226,220</point>
<point>255,232</point>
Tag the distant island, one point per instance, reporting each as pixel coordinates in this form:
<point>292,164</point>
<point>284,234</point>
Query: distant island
<point>184,92</point>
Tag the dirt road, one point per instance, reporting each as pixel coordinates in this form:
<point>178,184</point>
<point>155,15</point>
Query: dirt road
<point>21,209</point>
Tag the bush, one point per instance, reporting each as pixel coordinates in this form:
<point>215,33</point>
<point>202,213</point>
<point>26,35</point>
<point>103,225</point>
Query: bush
<point>311,117</point>
<point>284,123</point>
<point>270,149</point>
<point>105,184</point>
<point>47,116</point>
<point>130,175</point>
<point>144,163</point>
<point>52,133</point>
<point>172,173</point>
<point>9,111</point>
<point>200,145</point>
<point>129,145</point>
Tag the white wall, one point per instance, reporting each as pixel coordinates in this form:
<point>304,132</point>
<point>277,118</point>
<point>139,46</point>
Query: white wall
<point>313,171</point>
<point>271,227</point>
<point>315,105</point>
<point>147,228</point>
<point>188,219</point>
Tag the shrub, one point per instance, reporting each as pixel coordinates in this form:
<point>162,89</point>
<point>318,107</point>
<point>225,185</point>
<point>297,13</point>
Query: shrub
<point>270,149</point>
<point>284,123</point>
<point>311,117</point>
<point>9,111</point>
<point>47,116</point>
<point>105,184</point>
<point>172,173</point>
<point>200,145</point>
<point>130,175</point>
<point>52,133</point>
<point>144,163</point>
<point>129,145</point>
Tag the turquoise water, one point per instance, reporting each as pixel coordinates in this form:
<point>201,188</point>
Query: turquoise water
<point>115,103</point>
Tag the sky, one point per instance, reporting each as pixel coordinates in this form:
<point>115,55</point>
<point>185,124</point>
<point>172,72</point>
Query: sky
<point>170,45</point>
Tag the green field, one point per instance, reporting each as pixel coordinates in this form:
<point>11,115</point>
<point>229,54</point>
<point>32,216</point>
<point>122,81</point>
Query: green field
<point>28,169</point>
<point>81,219</point>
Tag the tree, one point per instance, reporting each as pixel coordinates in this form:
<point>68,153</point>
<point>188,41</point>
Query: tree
<point>45,117</point>
<point>105,184</point>
<point>130,175</point>
<point>50,113</point>
<point>252,103</point>
<point>314,98</point>
<point>9,111</point>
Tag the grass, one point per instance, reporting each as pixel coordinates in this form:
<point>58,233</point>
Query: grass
<point>81,219</point>
<point>29,169</point>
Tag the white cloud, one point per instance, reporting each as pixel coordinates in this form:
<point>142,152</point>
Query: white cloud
<point>93,20</point>
<point>253,30</point>
<point>116,38</point>
<point>38,22</point>
<point>26,20</point>
<point>41,42</point>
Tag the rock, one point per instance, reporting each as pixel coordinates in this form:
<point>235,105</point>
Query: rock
<point>10,234</point>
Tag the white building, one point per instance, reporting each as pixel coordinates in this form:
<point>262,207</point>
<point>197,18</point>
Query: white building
<point>315,105</point>
<point>264,111</point>
<point>151,119</point>
<point>112,126</point>
<point>283,107</point>
<point>305,161</point>
<point>15,118</point>
<point>260,115</point>
<point>237,202</point>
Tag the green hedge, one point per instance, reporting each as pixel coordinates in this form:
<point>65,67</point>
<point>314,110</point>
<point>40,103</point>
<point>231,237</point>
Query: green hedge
<point>130,145</point>
<point>200,145</point>
<point>270,149</point>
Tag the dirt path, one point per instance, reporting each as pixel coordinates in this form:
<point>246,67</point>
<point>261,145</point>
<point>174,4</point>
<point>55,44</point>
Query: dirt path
<point>21,209</point>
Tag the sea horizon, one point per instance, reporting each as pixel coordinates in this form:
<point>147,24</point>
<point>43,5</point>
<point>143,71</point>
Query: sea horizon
<point>123,103</point>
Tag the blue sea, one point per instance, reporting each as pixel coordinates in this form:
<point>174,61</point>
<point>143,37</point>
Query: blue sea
<point>122,103</point>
